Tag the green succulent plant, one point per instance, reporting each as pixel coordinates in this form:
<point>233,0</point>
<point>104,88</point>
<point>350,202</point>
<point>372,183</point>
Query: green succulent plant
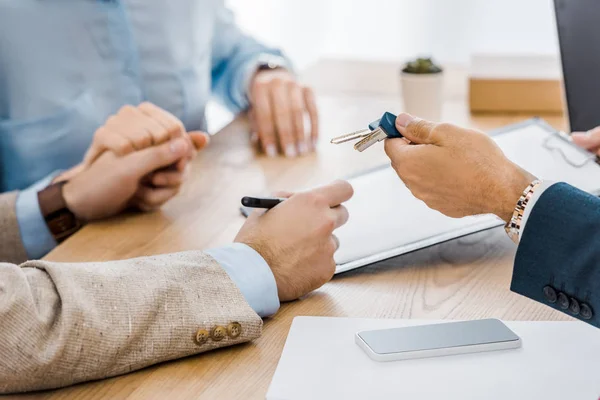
<point>422,66</point>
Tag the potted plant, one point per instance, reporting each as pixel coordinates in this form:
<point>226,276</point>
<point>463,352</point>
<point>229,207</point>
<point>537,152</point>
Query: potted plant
<point>422,85</point>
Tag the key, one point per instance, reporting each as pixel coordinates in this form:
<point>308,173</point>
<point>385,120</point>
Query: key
<point>376,136</point>
<point>378,130</point>
<point>351,136</point>
<point>381,129</point>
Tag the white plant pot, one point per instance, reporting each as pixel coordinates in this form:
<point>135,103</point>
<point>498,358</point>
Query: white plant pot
<point>423,95</point>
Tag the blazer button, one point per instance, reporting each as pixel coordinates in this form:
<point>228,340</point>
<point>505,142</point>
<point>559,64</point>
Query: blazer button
<point>563,301</point>
<point>201,337</point>
<point>586,311</point>
<point>234,330</point>
<point>218,333</point>
<point>550,294</point>
<point>574,306</point>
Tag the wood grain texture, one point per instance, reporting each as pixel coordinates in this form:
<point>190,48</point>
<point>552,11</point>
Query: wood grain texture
<point>461,279</point>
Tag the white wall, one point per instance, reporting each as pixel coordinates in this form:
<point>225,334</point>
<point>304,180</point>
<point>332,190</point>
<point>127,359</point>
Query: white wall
<point>394,30</point>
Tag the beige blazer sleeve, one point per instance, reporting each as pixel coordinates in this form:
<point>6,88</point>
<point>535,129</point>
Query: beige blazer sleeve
<point>11,246</point>
<point>65,323</point>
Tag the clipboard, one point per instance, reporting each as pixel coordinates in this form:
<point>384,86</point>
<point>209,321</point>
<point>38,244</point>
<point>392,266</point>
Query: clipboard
<point>386,220</point>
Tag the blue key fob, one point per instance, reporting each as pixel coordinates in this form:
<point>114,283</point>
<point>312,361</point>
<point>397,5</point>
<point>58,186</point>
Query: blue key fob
<point>388,123</point>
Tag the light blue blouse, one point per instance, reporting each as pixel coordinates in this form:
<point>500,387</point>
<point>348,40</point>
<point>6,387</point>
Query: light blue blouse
<point>66,65</point>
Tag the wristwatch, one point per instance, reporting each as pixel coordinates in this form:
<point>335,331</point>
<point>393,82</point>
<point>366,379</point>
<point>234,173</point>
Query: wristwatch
<point>513,227</point>
<point>61,221</point>
<point>270,62</point>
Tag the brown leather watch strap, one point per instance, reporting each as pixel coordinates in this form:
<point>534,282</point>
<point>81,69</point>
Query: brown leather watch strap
<point>61,222</point>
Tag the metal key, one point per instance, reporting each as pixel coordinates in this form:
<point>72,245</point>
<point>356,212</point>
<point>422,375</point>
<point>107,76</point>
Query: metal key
<point>378,130</point>
<point>376,136</point>
<point>351,136</point>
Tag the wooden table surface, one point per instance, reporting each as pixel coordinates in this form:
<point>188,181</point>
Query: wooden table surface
<point>463,279</point>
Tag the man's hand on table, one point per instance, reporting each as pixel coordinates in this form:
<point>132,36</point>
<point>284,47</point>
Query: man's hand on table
<point>456,171</point>
<point>278,107</point>
<point>296,237</point>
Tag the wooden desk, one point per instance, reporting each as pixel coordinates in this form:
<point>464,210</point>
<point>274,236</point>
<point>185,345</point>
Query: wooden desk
<point>466,278</point>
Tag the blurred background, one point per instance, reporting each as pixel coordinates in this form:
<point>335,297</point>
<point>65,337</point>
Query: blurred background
<point>393,30</point>
<point>357,48</point>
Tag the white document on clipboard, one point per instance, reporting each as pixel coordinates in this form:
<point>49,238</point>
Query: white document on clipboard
<point>386,220</point>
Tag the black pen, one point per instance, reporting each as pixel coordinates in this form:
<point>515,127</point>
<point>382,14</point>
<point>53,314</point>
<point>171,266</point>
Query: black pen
<point>261,202</point>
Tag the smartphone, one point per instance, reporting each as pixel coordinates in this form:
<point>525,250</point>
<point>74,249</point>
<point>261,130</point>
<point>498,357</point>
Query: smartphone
<point>437,340</point>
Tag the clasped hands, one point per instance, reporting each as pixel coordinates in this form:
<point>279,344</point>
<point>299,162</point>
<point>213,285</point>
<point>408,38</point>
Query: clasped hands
<point>139,158</point>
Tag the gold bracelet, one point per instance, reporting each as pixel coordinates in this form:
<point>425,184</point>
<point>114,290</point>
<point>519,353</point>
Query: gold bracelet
<point>513,227</point>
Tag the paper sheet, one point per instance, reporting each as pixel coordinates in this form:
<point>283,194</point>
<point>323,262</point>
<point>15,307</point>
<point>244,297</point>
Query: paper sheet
<point>558,361</point>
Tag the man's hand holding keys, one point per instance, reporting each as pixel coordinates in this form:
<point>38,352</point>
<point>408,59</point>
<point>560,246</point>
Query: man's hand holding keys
<point>454,170</point>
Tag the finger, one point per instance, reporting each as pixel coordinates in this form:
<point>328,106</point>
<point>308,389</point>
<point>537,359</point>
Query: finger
<point>145,161</point>
<point>167,120</point>
<point>132,124</point>
<point>283,194</point>
<point>589,140</point>
<point>394,148</point>
<point>297,114</point>
<point>336,242</point>
<point>164,178</point>
<point>181,164</point>
<point>417,130</point>
<point>157,131</point>
<point>340,215</point>
<point>282,112</point>
<point>149,198</point>
<point>336,192</point>
<point>107,141</point>
<point>199,139</point>
<point>69,174</point>
<point>254,139</point>
<point>311,107</point>
<point>264,119</point>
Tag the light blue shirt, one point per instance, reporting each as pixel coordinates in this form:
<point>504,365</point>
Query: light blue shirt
<point>252,275</point>
<point>66,65</point>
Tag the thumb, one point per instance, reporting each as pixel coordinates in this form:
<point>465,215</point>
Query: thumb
<point>417,130</point>
<point>199,139</point>
<point>152,158</point>
<point>588,140</point>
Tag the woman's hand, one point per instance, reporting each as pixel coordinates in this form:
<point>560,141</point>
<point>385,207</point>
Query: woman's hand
<point>137,128</point>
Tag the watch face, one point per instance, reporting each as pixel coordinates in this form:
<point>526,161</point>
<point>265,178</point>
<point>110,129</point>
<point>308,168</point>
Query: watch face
<point>63,224</point>
<point>268,66</point>
<point>271,62</point>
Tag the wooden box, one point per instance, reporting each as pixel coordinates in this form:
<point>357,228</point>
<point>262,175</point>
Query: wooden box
<point>506,84</point>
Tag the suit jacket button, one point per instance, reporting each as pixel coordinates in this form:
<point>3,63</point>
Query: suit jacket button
<point>201,337</point>
<point>234,330</point>
<point>563,301</point>
<point>550,294</point>
<point>218,333</point>
<point>586,311</point>
<point>574,306</point>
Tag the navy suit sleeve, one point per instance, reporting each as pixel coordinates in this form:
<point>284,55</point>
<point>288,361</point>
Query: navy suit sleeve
<point>558,259</point>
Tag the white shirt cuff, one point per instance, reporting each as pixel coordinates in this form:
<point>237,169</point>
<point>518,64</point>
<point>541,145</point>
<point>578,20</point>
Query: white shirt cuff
<point>251,274</point>
<point>544,185</point>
